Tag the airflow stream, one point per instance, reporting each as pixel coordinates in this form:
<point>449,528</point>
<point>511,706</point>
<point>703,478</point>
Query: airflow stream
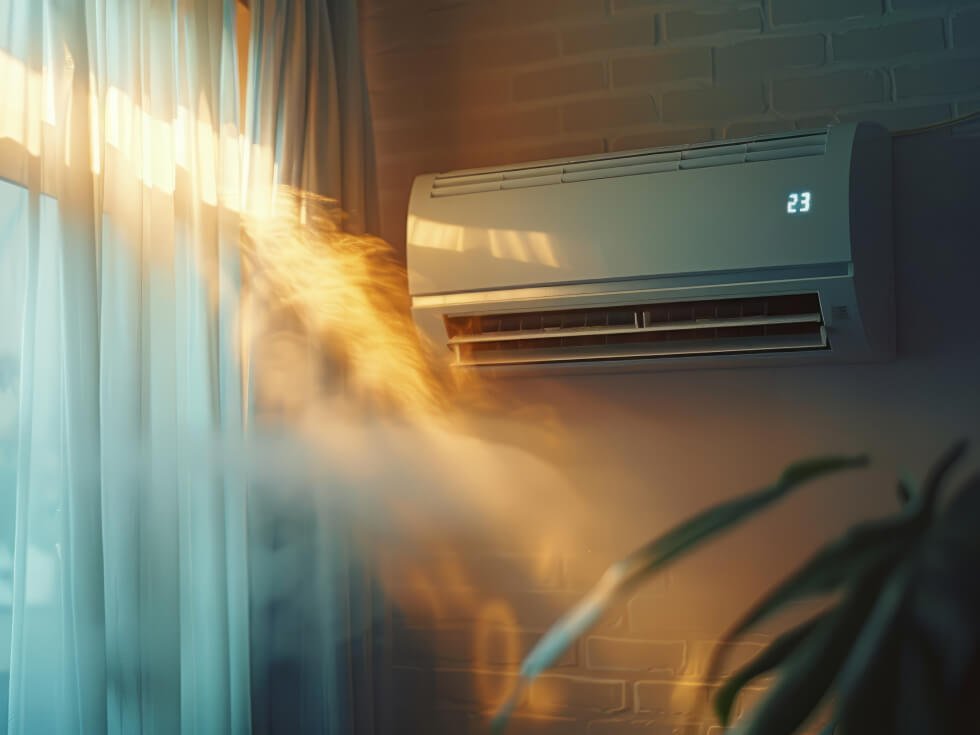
<point>724,326</point>
<point>770,250</point>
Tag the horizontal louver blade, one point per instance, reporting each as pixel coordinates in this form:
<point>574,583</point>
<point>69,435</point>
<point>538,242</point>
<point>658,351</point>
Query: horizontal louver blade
<point>720,326</point>
<point>626,352</point>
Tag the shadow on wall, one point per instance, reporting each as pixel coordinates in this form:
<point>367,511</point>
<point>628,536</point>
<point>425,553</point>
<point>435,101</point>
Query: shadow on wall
<point>937,248</point>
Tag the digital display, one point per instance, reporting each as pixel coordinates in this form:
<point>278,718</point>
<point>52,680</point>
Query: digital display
<point>798,202</point>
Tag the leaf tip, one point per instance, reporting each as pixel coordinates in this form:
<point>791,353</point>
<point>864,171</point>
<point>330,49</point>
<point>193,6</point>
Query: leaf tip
<point>723,708</point>
<point>808,468</point>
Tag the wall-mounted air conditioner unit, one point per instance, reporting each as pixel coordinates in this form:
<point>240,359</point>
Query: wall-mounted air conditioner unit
<point>774,249</point>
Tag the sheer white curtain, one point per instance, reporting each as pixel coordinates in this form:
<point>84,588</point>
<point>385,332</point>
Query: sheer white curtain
<point>308,119</point>
<point>123,575</point>
<point>318,648</point>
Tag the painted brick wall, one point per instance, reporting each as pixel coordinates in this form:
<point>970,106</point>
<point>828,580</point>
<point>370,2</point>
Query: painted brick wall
<point>458,83</point>
<point>641,670</point>
<point>462,83</point>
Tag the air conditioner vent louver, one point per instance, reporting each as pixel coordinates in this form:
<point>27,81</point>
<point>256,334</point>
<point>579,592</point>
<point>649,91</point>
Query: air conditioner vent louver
<point>661,161</point>
<point>674,329</point>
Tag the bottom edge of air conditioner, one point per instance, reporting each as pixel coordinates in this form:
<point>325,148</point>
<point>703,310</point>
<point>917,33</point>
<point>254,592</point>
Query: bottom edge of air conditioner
<point>798,358</point>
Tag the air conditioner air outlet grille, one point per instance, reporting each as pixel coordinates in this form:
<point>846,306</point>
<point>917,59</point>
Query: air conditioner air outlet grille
<point>755,324</point>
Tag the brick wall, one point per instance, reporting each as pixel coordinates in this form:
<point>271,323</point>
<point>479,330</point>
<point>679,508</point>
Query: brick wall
<point>462,83</point>
<point>457,83</point>
<point>460,635</point>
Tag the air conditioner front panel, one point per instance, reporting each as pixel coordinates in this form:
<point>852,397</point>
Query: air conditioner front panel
<point>732,215</point>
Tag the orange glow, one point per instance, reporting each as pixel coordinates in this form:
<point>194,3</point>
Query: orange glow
<point>325,313</point>
<point>495,620</point>
<point>350,294</point>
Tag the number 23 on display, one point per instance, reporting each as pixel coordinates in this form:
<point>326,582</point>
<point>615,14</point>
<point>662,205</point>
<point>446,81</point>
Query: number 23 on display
<point>798,202</point>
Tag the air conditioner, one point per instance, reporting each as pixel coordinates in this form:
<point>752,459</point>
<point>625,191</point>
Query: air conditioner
<point>767,249</point>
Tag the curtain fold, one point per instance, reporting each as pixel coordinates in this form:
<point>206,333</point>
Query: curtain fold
<point>308,119</point>
<point>318,619</point>
<point>140,564</point>
<point>128,597</point>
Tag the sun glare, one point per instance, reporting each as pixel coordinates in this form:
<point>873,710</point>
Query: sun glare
<point>349,292</point>
<point>523,246</point>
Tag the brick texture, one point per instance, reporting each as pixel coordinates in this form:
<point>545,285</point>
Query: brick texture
<point>670,700</point>
<point>893,41</point>
<point>939,78</point>
<point>756,59</point>
<point>803,11</point>
<point>687,24</point>
<point>626,6</point>
<point>459,84</point>
<point>750,128</point>
<point>554,693</point>
<point>471,129</point>
<point>666,66</point>
<point>562,80</point>
<point>639,727</point>
<point>479,92</point>
<point>609,113</point>
<point>712,103</point>
<point>467,83</point>
<point>535,725</point>
<point>732,656</point>
<point>616,654</point>
<point>608,37</point>
<point>829,91</point>
<point>476,55</point>
<point>663,137</point>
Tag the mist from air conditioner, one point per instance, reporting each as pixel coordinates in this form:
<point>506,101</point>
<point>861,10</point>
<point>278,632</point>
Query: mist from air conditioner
<point>364,425</point>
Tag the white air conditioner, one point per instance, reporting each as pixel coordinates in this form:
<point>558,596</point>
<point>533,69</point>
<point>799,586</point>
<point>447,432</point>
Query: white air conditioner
<point>774,249</point>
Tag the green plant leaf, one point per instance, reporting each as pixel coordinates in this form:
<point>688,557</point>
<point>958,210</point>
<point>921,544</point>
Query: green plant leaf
<point>922,704</point>
<point>864,547</point>
<point>873,703</point>
<point>808,673</point>
<point>879,628</point>
<point>937,473</point>
<point>957,527</point>
<point>886,683</point>
<point>773,655</point>
<point>906,488</point>
<point>945,603</point>
<point>627,573</point>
